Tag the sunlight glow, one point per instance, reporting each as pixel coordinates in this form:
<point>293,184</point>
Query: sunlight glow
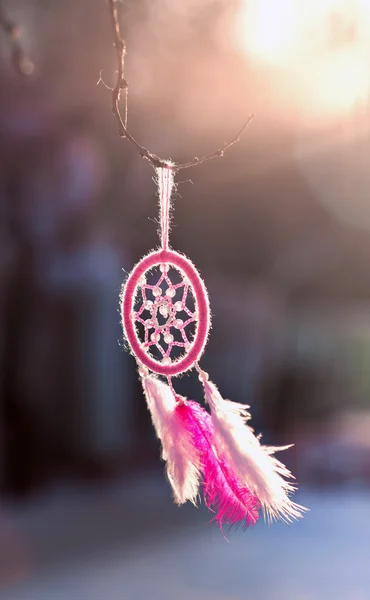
<point>342,81</point>
<point>323,44</point>
<point>271,28</point>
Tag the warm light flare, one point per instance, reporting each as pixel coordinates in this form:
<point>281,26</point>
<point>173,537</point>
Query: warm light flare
<point>276,30</point>
<point>341,82</point>
<point>323,44</point>
<point>270,28</point>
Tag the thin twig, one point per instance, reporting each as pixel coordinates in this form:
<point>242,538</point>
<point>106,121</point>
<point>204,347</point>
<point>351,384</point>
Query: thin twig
<point>20,60</point>
<point>101,81</point>
<point>120,47</point>
<point>219,152</point>
<point>122,86</point>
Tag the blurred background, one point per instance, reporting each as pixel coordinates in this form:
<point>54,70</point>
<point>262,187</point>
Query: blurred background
<point>280,230</point>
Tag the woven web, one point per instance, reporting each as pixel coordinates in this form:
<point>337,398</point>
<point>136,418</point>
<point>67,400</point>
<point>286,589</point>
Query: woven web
<point>166,314</point>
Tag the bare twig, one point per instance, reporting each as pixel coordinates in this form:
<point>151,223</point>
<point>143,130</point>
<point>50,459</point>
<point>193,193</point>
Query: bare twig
<point>20,60</point>
<point>122,86</point>
<point>101,81</point>
<point>219,152</point>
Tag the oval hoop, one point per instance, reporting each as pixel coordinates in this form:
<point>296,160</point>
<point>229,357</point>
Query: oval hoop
<point>129,291</point>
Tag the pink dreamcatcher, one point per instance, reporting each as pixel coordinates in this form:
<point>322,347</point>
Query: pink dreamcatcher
<point>166,322</point>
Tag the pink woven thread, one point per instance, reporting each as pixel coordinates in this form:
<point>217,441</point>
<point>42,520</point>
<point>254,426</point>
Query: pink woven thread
<point>164,303</point>
<point>165,187</point>
<point>147,314</point>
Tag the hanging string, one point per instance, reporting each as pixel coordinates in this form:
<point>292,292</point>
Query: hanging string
<point>165,186</point>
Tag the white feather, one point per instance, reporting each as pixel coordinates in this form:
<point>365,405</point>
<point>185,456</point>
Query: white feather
<point>182,459</point>
<point>253,463</point>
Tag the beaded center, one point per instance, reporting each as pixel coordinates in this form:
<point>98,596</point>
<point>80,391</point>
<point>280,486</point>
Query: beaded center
<point>164,314</point>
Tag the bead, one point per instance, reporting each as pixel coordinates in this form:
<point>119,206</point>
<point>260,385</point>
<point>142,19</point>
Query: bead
<point>148,304</point>
<point>168,338</point>
<point>157,292</point>
<point>178,306</point>
<point>155,337</point>
<point>163,268</point>
<point>170,292</point>
<point>203,376</point>
<point>195,315</point>
<point>133,316</point>
<point>178,323</point>
<point>187,347</point>
<point>142,281</point>
<point>164,310</point>
<point>149,323</point>
<point>166,360</point>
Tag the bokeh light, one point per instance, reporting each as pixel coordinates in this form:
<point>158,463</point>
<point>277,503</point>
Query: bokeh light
<point>324,45</point>
<point>269,30</point>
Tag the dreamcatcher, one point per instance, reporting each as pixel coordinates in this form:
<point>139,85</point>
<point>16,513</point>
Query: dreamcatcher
<point>166,321</point>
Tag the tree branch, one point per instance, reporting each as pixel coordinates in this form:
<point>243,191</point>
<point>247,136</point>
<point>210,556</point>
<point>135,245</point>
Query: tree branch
<point>20,60</point>
<point>122,86</point>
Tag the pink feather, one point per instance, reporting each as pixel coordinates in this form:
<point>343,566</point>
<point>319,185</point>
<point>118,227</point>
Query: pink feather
<point>178,450</point>
<point>253,463</point>
<point>232,503</point>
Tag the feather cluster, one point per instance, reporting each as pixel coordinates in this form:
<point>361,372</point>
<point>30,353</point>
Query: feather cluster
<point>219,452</point>
<point>254,464</point>
<point>223,494</point>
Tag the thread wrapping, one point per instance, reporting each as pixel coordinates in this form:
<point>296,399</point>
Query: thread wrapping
<point>165,182</point>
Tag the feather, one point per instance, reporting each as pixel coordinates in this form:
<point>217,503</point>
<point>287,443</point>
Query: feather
<point>182,458</point>
<point>232,503</point>
<point>253,464</point>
